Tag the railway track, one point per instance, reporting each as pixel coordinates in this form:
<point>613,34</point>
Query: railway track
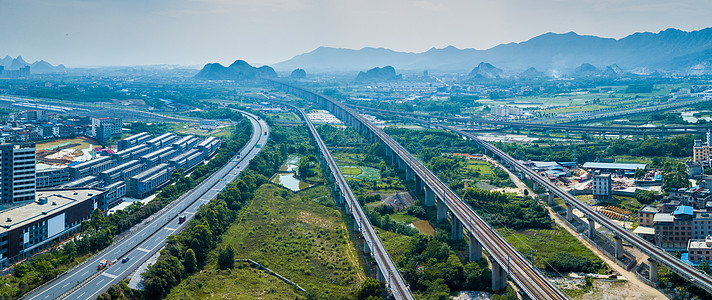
<point>507,259</point>
<point>394,281</point>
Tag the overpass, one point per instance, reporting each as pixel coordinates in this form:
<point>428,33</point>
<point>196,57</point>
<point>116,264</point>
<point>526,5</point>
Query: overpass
<point>387,270</point>
<point>656,254</point>
<point>504,258</point>
<point>478,122</point>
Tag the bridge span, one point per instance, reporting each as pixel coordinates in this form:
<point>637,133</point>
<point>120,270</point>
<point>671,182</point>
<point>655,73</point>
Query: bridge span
<point>387,270</point>
<point>655,253</point>
<point>505,259</point>
<point>476,123</point>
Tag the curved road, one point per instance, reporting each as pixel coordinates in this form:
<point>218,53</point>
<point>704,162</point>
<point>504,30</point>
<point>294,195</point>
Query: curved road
<point>147,238</point>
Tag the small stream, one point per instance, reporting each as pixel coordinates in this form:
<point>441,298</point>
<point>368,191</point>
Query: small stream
<point>287,176</point>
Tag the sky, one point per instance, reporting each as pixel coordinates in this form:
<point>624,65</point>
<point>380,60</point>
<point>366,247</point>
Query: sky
<point>82,33</point>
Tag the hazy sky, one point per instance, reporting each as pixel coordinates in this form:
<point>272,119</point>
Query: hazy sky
<point>194,32</point>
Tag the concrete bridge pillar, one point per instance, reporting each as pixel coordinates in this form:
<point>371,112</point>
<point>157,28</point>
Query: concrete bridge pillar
<point>357,227</point>
<point>566,133</point>
<point>366,247</point>
<point>429,196</point>
<point>456,228</point>
<point>379,275</point>
<point>418,185</point>
<point>591,227</point>
<point>348,209</point>
<point>550,198</point>
<point>499,277</point>
<point>529,131</point>
<point>619,247</point>
<point>442,210</point>
<point>569,212</point>
<point>547,132</point>
<point>653,270</point>
<point>475,248</point>
<point>409,174</point>
<point>401,164</point>
<point>536,186</point>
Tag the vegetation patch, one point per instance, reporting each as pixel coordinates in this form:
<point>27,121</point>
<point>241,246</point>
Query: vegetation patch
<point>292,236</point>
<point>555,249</point>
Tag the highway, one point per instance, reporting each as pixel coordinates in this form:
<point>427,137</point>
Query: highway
<point>394,281</point>
<point>503,256</point>
<point>657,254</point>
<point>147,238</point>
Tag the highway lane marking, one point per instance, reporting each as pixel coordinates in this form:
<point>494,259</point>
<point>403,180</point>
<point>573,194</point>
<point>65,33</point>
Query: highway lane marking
<point>170,229</point>
<point>143,249</point>
<point>109,275</point>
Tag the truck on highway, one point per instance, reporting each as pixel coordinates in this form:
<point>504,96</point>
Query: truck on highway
<point>102,264</point>
<point>181,219</point>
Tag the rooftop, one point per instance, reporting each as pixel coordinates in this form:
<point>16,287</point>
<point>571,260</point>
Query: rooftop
<point>663,217</point>
<point>700,244</point>
<point>683,210</point>
<point>613,166</point>
<point>644,230</point>
<point>649,209</point>
<point>57,200</point>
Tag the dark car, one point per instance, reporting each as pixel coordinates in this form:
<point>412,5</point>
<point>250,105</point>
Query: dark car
<point>125,259</point>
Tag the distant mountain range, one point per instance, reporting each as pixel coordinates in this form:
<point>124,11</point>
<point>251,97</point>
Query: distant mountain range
<point>38,67</point>
<point>670,50</point>
<point>240,70</point>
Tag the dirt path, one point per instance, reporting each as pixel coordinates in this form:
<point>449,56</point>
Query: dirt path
<point>633,288</point>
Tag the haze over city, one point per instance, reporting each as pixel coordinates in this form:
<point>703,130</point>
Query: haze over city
<point>357,150</point>
<point>188,32</point>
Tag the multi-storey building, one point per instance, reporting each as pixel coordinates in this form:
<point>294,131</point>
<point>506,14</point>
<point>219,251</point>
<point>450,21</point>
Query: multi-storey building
<point>161,141</point>
<point>52,177</point>
<point>602,186</point>
<point>147,182</point>
<point>186,160</point>
<point>131,153</point>
<point>646,214</point>
<point>105,128</point>
<point>695,196</point>
<point>136,139</point>
<point>17,173</point>
<point>209,146</point>
<point>91,167</point>
<point>700,249</point>
<point>122,172</point>
<point>115,193</point>
<point>34,226</point>
<point>158,157</point>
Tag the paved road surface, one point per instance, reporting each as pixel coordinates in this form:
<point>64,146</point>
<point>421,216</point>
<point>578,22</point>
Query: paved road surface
<point>85,282</point>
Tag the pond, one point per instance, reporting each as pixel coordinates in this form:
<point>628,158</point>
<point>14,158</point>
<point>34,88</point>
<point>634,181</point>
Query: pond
<point>287,176</point>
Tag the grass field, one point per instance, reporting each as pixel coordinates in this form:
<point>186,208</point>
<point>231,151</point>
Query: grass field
<point>545,243</point>
<point>351,171</point>
<point>396,245</point>
<point>296,237</point>
<point>479,166</point>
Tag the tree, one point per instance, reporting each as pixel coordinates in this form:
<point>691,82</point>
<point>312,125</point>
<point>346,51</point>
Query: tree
<point>226,258</point>
<point>189,262</point>
<point>639,173</point>
<point>704,267</point>
<point>97,218</point>
<point>369,288</point>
